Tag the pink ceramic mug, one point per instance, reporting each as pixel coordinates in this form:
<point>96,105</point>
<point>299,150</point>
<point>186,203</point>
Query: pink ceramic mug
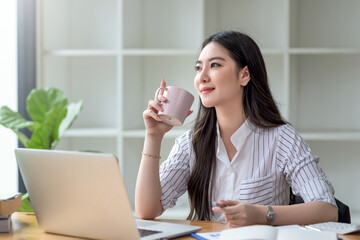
<point>177,105</point>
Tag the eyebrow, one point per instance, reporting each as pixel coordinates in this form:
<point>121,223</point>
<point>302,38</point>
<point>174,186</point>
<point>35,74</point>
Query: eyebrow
<point>211,59</point>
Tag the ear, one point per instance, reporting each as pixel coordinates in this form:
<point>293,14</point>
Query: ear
<point>244,76</point>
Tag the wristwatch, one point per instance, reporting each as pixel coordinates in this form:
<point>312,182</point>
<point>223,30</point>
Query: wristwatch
<point>270,216</point>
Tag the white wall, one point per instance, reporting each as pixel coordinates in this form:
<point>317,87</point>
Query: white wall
<point>8,92</point>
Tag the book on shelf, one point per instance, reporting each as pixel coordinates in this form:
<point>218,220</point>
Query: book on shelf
<point>9,203</point>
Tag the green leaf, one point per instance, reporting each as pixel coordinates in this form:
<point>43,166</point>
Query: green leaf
<point>48,132</point>
<point>73,111</point>
<point>39,102</point>
<point>13,120</point>
<point>53,120</point>
<point>35,126</point>
<point>25,204</point>
<point>51,114</point>
<point>23,138</point>
<point>40,139</point>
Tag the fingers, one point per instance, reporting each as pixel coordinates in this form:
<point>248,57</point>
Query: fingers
<point>151,114</point>
<point>160,97</point>
<point>229,202</point>
<point>153,105</point>
<point>163,85</point>
<point>230,210</point>
<point>230,206</point>
<point>233,217</point>
<point>152,110</point>
<point>227,211</point>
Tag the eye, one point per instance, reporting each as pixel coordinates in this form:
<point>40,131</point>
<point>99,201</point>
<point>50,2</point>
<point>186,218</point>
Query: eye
<point>215,65</point>
<point>197,68</point>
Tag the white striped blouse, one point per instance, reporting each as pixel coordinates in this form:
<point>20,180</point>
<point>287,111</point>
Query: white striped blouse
<point>266,164</point>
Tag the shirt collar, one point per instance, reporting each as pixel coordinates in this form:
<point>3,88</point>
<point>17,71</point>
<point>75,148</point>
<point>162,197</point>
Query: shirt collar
<point>239,136</point>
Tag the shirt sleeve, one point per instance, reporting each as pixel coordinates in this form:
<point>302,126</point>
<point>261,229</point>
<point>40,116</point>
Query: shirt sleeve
<point>175,171</point>
<point>301,169</point>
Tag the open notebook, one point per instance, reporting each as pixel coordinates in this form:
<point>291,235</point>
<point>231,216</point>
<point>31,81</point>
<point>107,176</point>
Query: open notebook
<point>83,194</point>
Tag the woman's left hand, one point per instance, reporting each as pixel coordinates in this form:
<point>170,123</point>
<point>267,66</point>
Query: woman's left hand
<point>239,214</point>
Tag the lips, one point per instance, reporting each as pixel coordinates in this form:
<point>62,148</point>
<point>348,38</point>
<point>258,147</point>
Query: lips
<point>206,90</point>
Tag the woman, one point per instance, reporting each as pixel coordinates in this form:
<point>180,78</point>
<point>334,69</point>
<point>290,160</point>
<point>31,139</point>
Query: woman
<point>241,153</point>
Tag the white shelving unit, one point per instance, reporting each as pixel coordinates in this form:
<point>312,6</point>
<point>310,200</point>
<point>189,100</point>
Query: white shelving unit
<point>113,54</point>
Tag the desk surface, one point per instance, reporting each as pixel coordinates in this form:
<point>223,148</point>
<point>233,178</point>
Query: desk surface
<point>25,226</point>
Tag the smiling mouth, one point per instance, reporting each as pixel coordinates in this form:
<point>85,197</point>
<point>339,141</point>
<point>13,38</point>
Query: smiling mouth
<point>206,90</point>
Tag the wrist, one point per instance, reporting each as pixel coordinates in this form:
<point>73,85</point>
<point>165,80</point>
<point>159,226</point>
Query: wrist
<point>154,136</point>
<point>262,219</point>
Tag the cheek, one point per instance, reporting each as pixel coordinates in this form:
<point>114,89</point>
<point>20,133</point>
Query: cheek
<point>196,83</point>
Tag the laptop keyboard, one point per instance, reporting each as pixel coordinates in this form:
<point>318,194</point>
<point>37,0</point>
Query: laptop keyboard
<point>147,232</point>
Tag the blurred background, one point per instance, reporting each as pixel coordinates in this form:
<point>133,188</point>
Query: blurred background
<point>114,53</point>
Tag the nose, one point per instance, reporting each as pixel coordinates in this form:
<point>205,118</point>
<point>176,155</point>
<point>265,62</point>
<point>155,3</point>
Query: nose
<point>203,75</point>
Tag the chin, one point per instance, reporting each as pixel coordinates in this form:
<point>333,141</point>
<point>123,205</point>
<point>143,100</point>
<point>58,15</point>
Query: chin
<point>207,104</point>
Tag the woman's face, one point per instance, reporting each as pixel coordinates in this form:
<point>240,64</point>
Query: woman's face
<point>217,80</point>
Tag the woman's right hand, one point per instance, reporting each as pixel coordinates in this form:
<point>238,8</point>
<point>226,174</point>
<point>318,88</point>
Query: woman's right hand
<point>153,123</point>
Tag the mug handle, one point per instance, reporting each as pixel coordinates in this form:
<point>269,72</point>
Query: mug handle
<point>157,94</point>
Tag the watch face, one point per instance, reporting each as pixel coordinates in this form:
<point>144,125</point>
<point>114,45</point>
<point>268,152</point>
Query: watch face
<point>270,216</point>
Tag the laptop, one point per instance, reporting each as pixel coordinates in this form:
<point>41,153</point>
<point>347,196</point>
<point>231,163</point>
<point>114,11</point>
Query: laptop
<point>83,195</point>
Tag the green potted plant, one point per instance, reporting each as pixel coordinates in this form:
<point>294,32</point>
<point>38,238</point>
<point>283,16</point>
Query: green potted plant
<point>51,116</point>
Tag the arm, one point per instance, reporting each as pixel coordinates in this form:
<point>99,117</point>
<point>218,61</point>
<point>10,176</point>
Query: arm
<point>304,213</point>
<point>149,195</point>
<point>241,214</point>
<point>148,188</point>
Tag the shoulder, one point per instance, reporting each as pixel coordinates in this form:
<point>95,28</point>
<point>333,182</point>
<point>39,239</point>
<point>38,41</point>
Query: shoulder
<point>183,144</point>
<point>285,131</point>
<point>185,138</point>
<point>288,135</point>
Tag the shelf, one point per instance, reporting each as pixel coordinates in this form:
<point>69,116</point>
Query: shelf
<point>174,133</point>
<point>140,133</point>
<point>268,28</point>
<point>91,79</point>
<point>313,136</point>
<point>162,24</point>
<point>190,52</point>
<point>91,144</point>
<point>272,51</point>
<point>81,52</point>
<point>159,52</point>
<point>78,24</point>
<point>310,51</point>
<point>92,132</point>
<point>183,52</point>
<point>324,23</point>
<point>331,136</point>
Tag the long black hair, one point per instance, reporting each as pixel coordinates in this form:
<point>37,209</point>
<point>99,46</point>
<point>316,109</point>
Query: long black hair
<point>259,107</point>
